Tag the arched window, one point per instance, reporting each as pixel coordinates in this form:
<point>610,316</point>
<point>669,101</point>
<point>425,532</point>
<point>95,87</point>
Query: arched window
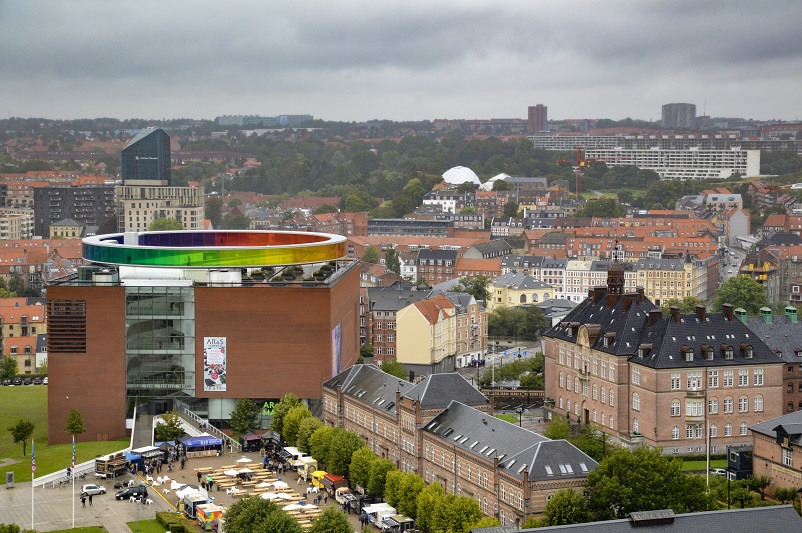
<point>503,492</point>
<point>713,431</point>
<point>758,403</point>
<point>534,298</point>
<point>728,430</point>
<point>520,500</point>
<point>743,428</point>
<point>562,384</point>
<point>595,391</point>
<point>612,398</point>
<point>523,299</point>
<point>743,404</point>
<point>675,407</point>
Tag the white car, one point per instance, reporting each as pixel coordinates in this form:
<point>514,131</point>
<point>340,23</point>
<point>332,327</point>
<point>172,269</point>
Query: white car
<point>93,489</point>
<point>718,471</point>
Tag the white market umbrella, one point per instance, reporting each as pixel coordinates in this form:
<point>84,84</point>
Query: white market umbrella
<point>275,496</point>
<point>280,484</point>
<point>291,507</point>
<point>264,484</point>
<point>244,460</point>
<point>231,472</point>
<point>245,471</point>
<point>308,506</point>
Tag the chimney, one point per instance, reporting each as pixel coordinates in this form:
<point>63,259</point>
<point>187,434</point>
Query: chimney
<point>765,314</point>
<point>675,314</point>
<point>701,312</point>
<point>741,314</point>
<point>628,299</point>
<point>790,312</point>
<point>641,294</point>
<point>592,295</point>
<point>728,311</point>
<point>654,316</point>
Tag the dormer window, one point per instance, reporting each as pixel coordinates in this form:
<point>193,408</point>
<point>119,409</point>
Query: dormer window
<point>687,352</point>
<point>746,350</point>
<point>708,352</point>
<point>727,350</point>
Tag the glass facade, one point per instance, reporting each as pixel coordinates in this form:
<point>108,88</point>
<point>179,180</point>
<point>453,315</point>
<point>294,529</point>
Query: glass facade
<point>147,158</point>
<point>159,343</point>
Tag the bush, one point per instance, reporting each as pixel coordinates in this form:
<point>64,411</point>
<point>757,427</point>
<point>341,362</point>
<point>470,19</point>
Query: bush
<point>175,522</point>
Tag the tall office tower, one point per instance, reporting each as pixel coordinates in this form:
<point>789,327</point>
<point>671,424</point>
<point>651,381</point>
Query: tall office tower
<point>146,194</point>
<point>679,116</point>
<point>146,159</point>
<point>538,118</point>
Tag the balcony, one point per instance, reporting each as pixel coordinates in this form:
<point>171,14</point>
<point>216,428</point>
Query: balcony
<point>694,419</point>
<point>695,393</point>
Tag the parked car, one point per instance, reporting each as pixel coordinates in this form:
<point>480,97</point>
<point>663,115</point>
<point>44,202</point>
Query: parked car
<point>37,381</point>
<point>718,471</point>
<point>140,491</point>
<point>6,382</point>
<point>44,381</point>
<point>93,489</point>
<point>17,381</point>
<point>27,381</point>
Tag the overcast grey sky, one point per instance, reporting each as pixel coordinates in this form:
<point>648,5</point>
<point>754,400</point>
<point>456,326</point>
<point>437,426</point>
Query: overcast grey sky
<point>399,60</point>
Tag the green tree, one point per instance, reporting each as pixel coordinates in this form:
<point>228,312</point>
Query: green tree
<point>784,495</point>
<point>566,507</point>
<point>485,521</point>
<point>8,367</point>
<point>643,480</point>
<point>476,286</point>
<point>320,442</point>
<point>741,291</point>
<point>392,261</point>
<point>165,224</point>
<point>255,514</point>
<point>234,202</point>
<point>43,368</point>
<point>625,196</point>
<point>75,423</point>
<point>501,185</point>
<point>510,209</point>
<point>326,208</point>
<point>378,475</point>
<point>342,447</point>
<point>366,350</point>
<point>602,207</point>
<point>21,432</point>
<point>108,226</point>
<point>759,484</point>
<point>213,210</point>
<point>394,368</point>
<point>361,460</point>
<point>245,416</point>
<point>331,521</point>
<point>232,221</point>
<point>411,486</point>
<point>292,423</point>
<point>686,305</point>
<point>371,254</point>
<point>392,488</point>
<point>169,428</point>
<point>469,210</point>
<point>427,503</point>
<point>559,429</point>
<point>453,513</point>
<point>287,402</point>
<point>305,431</point>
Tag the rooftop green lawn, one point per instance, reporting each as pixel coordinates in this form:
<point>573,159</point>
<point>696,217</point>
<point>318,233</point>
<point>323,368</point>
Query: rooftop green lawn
<point>31,402</point>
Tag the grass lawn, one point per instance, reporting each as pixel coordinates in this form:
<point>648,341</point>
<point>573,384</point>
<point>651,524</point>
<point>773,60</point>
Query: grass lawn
<point>702,464</point>
<point>31,402</point>
<point>146,526</point>
<point>512,419</point>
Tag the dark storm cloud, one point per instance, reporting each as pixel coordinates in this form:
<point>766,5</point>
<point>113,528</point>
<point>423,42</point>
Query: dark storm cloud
<point>414,59</point>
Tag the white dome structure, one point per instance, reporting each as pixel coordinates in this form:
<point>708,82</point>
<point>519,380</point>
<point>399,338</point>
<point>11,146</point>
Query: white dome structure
<point>460,175</point>
<point>488,185</point>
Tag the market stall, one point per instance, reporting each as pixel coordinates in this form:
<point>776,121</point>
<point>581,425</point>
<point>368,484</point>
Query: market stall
<point>208,516</point>
<point>203,445</point>
<point>110,466</point>
<point>250,442</point>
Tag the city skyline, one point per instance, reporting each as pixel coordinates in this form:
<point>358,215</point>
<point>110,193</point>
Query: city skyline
<point>360,60</point>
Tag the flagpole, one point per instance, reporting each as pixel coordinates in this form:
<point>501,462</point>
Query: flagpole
<point>33,477</point>
<point>73,481</point>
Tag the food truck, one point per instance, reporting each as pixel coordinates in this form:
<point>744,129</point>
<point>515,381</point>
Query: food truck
<point>208,516</point>
<point>317,478</point>
<point>306,467</point>
<point>191,503</point>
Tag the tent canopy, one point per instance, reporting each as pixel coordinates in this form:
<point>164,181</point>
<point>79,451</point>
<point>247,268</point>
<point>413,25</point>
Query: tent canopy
<point>201,440</point>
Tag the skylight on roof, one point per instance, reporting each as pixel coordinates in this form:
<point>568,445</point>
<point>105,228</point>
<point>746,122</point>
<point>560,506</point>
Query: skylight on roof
<point>549,471</point>
<point>483,449</point>
<point>432,425</point>
<point>583,467</point>
<point>562,469</point>
<point>474,444</point>
<point>458,437</point>
<point>490,452</point>
<point>463,440</point>
<point>521,468</point>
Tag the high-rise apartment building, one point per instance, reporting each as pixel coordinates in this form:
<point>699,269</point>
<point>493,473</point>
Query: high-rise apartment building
<point>538,118</point>
<point>90,206</point>
<point>679,116</point>
<point>146,158</point>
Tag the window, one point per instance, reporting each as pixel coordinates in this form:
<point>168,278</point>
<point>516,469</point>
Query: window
<point>636,376</point>
<point>689,354</point>
<point>743,428</point>
<point>595,391</point>
<point>635,425</point>
<point>603,395</point>
<point>689,432</point>
<point>728,404</point>
<point>728,376</point>
<point>694,408</point>
<point>636,401</point>
<point>713,431</point>
<point>675,381</point>
<point>712,379</point>
<point>712,406</point>
<point>612,399</point>
<point>694,380</point>
<point>612,372</point>
<point>562,384</point>
<point>728,430</point>
<point>758,376</point>
<point>788,457</point>
<point>758,403</point>
<point>675,408</point>
<point>743,404</point>
<point>675,433</point>
<point>743,377</point>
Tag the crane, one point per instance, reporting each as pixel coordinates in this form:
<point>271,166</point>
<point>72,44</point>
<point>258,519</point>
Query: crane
<point>579,168</point>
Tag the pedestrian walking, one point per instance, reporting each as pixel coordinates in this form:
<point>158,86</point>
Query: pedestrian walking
<point>90,499</point>
<point>83,500</point>
<point>200,475</point>
<point>325,498</point>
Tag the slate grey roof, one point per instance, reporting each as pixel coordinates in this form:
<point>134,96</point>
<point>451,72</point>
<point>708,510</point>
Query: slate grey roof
<point>463,300</point>
<point>660,264</point>
<point>519,280</point>
<point>437,391</point>
<point>394,298</point>
<point>521,261</point>
<point>783,336</point>
<point>495,529</point>
<point>792,423</point>
<point>442,255</point>
<point>775,518</point>
<point>41,342</point>
<point>780,239</point>
<point>488,247</point>
<point>665,339</point>
<point>66,222</point>
<point>517,449</point>
<point>371,386</point>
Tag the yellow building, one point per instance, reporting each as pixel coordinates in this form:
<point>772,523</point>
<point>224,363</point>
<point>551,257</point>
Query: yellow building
<point>66,229</point>
<point>664,279</point>
<point>426,341</point>
<point>517,289</point>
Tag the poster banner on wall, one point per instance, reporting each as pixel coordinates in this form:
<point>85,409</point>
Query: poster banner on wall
<point>214,363</point>
<point>337,349</point>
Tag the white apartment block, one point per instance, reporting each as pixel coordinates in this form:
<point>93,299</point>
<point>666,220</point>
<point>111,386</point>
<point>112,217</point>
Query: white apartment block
<point>684,164</point>
<point>16,224</point>
<point>139,205</point>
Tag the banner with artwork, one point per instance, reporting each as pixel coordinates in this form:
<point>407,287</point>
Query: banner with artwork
<point>214,363</point>
<point>337,349</point>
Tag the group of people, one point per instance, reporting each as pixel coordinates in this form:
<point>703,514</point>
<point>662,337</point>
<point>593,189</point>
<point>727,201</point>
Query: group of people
<point>84,497</point>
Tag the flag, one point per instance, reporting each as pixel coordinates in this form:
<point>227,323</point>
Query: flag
<point>73,452</point>
<point>33,458</point>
